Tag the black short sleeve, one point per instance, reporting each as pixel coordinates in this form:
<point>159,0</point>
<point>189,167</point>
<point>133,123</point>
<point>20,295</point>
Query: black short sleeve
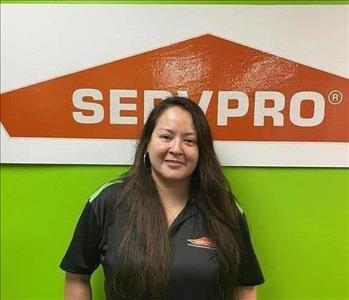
<point>84,252</point>
<point>250,271</point>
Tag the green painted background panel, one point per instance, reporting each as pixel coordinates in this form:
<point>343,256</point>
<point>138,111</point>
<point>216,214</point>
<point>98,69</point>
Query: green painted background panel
<point>298,220</point>
<point>196,2</point>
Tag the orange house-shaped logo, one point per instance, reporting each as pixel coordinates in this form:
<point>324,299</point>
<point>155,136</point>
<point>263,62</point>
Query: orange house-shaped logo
<point>247,95</point>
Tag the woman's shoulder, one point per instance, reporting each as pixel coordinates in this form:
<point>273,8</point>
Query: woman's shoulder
<point>108,189</point>
<point>104,198</point>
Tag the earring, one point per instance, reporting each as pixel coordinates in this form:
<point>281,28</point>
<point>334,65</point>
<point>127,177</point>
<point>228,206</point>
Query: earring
<point>146,161</point>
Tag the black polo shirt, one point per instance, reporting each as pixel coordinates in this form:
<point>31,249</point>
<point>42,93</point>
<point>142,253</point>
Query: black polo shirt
<point>193,269</point>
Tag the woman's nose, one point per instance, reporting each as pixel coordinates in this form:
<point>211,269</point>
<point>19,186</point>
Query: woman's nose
<point>176,147</point>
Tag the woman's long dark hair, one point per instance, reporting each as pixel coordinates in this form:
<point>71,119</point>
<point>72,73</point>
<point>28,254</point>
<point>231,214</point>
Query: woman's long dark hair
<point>144,253</point>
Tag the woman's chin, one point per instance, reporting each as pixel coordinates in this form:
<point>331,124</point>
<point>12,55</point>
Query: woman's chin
<point>171,177</point>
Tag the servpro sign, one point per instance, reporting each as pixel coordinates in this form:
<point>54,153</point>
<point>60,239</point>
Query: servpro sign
<point>224,112</point>
<point>246,94</point>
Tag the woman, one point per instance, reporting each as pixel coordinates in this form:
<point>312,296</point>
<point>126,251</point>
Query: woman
<point>170,228</point>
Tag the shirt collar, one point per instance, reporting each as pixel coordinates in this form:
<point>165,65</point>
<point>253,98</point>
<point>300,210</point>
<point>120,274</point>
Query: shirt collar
<point>187,212</point>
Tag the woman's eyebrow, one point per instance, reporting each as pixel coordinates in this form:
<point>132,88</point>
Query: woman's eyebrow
<point>172,132</point>
<point>166,129</point>
<point>190,134</point>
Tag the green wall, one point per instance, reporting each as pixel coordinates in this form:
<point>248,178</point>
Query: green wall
<point>299,219</point>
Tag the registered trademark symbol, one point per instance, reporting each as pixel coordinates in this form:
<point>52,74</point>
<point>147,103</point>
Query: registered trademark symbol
<point>335,97</point>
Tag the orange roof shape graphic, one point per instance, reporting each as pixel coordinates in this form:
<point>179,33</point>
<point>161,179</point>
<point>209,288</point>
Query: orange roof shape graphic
<point>239,85</point>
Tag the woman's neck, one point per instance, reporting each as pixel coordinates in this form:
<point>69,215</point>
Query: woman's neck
<point>172,194</point>
<point>173,197</point>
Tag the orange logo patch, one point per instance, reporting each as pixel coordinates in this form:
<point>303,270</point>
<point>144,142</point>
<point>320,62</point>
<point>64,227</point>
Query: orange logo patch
<point>202,242</point>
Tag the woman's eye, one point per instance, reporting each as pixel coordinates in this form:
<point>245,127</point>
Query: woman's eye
<point>189,141</point>
<point>165,137</point>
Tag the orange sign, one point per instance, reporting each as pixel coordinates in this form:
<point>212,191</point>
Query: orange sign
<point>247,95</point>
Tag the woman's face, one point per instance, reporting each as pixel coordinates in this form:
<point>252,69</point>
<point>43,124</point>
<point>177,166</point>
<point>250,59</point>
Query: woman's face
<point>173,149</point>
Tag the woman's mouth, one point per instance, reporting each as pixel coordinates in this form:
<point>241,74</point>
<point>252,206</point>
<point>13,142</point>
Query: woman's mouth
<point>173,163</point>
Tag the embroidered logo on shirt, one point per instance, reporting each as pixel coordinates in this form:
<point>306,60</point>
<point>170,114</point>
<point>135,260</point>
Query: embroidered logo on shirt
<point>202,242</point>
